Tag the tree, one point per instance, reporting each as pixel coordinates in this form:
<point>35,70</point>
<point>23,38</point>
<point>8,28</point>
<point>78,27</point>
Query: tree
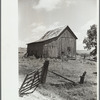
<point>91,40</point>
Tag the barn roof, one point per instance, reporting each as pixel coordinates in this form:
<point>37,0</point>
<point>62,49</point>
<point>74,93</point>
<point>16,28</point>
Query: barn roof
<point>54,33</point>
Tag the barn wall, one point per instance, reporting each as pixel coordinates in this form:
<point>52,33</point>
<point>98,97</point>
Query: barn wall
<point>67,44</point>
<point>35,49</point>
<point>44,49</point>
<point>50,48</point>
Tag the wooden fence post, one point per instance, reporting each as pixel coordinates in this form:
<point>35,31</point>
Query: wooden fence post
<point>44,71</point>
<point>82,78</point>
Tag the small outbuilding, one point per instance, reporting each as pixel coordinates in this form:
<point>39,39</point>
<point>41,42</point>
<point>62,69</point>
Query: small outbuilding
<point>54,44</point>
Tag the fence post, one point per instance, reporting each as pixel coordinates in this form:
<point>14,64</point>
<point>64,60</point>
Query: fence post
<point>82,78</point>
<point>44,71</point>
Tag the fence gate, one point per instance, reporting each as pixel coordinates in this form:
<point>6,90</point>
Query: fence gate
<point>33,79</point>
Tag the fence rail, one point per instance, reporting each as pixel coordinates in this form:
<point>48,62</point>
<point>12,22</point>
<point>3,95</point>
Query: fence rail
<point>62,77</point>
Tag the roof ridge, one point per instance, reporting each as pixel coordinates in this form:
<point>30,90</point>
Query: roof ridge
<point>53,30</point>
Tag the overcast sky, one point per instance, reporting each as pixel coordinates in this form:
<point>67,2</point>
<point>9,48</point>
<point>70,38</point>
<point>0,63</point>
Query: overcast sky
<point>38,16</point>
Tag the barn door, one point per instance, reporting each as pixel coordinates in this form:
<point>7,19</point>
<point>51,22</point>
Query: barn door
<point>69,51</point>
<point>64,46</point>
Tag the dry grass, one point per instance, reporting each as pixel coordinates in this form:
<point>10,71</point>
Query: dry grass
<point>57,88</point>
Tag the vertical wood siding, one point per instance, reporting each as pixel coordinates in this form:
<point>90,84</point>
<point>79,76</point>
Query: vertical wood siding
<point>50,49</point>
<point>65,41</point>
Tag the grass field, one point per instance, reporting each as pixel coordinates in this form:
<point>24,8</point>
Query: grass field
<point>57,88</point>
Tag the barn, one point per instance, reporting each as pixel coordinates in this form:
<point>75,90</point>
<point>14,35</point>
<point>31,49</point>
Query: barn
<point>54,44</point>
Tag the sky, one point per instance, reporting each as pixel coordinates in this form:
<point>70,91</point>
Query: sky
<point>36,17</point>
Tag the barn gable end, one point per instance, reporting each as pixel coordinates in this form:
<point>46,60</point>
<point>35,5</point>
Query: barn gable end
<point>67,44</point>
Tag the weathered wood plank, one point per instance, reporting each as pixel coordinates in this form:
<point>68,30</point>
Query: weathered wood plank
<point>28,88</point>
<point>62,76</point>
<point>44,71</point>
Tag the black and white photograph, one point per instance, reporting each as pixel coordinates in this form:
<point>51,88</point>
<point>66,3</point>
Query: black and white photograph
<point>57,49</point>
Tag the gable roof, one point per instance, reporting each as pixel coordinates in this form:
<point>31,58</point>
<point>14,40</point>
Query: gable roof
<point>53,34</point>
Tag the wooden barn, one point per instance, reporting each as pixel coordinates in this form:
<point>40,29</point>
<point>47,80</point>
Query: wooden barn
<point>54,44</point>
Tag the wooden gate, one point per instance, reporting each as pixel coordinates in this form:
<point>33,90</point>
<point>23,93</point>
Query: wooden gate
<point>33,79</point>
<point>30,82</point>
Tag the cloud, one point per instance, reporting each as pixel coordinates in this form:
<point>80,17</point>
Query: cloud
<point>50,5</point>
<point>38,30</point>
<point>83,33</point>
<point>47,4</point>
<point>54,25</point>
<point>22,43</point>
<point>87,25</point>
<point>80,36</point>
<point>70,2</point>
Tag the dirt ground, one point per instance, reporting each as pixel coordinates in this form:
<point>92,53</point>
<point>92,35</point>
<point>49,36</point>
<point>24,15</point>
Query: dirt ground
<point>57,88</point>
